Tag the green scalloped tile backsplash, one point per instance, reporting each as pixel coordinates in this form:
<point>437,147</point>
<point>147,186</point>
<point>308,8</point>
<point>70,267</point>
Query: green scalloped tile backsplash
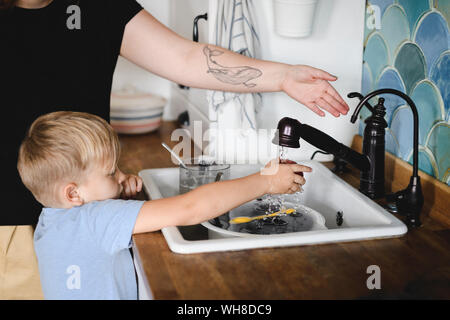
<point>408,49</point>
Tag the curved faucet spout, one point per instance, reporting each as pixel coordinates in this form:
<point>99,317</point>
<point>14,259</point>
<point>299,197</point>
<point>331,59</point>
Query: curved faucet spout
<point>410,200</point>
<point>415,117</point>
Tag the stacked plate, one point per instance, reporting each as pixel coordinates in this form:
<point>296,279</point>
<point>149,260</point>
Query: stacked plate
<point>135,112</point>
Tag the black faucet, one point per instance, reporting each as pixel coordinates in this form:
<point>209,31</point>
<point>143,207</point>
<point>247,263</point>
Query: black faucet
<point>408,202</point>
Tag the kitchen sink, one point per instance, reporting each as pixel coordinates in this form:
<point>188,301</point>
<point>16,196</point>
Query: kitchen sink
<point>348,214</point>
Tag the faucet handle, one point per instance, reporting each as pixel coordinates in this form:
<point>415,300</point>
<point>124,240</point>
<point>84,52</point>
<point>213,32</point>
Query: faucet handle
<point>360,97</point>
<point>355,95</point>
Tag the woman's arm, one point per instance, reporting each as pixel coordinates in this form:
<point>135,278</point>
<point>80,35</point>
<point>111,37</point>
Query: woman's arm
<point>156,48</point>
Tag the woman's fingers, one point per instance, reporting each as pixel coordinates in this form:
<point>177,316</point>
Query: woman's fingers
<point>333,93</point>
<point>321,74</point>
<point>315,109</point>
<point>324,105</point>
<point>335,104</point>
<point>311,87</point>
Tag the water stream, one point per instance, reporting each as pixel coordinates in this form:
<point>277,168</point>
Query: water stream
<point>278,200</point>
<point>298,221</point>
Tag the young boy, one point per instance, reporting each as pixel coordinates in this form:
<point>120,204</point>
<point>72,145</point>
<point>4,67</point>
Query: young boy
<point>68,160</point>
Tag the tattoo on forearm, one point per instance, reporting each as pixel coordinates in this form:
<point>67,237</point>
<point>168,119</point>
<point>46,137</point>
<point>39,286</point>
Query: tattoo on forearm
<point>231,75</point>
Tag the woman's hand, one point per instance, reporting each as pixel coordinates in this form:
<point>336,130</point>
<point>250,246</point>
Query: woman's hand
<point>310,87</point>
<point>132,185</point>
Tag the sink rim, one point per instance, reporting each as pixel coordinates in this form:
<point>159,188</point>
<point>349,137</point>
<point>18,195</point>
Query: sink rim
<point>178,244</point>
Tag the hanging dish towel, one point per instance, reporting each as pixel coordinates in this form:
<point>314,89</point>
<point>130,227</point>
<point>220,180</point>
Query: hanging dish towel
<point>233,27</point>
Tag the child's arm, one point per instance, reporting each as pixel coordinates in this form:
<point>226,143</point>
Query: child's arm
<point>209,201</point>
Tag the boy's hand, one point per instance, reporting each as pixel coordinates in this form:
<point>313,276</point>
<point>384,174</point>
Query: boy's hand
<point>282,178</point>
<point>132,185</point>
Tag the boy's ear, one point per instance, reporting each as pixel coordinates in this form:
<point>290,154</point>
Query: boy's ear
<point>72,194</point>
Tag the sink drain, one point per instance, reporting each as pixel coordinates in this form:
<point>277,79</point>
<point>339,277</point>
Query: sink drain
<point>339,218</point>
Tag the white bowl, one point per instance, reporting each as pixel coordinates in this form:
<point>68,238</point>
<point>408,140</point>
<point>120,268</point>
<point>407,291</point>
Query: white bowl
<point>134,112</point>
<point>219,233</point>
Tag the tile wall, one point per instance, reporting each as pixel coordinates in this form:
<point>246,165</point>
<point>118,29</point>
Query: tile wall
<point>407,47</point>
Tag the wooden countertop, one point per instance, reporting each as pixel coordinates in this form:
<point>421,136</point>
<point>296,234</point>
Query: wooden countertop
<point>416,265</point>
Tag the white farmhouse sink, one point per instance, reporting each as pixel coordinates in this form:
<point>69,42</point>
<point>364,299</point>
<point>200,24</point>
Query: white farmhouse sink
<point>324,192</point>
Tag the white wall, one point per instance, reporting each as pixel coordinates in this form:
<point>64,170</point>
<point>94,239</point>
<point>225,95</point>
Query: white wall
<point>335,45</point>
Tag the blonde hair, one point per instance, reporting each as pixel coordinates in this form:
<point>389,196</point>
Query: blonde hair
<point>62,146</point>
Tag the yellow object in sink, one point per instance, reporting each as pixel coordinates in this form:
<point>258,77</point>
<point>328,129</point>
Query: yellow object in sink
<point>248,219</point>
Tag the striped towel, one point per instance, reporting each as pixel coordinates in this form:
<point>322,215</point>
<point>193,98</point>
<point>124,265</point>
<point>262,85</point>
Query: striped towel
<point>232,26</point>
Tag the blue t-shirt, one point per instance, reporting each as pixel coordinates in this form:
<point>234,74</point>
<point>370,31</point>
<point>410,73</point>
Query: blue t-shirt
<point>83,252</point>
